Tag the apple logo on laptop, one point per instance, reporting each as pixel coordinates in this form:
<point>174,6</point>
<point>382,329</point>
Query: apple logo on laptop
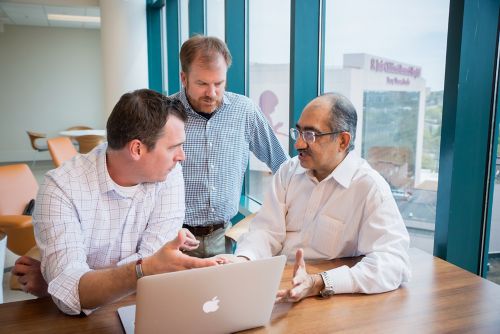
<point>211,305</point>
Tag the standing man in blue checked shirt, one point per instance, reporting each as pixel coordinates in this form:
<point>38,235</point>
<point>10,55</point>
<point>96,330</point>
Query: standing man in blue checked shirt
<point>221,130</point>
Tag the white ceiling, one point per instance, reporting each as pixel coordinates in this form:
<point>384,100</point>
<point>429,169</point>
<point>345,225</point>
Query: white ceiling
<point>34,13</point>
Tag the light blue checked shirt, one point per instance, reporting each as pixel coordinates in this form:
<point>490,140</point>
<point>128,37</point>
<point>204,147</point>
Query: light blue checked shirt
<point>217,153</point>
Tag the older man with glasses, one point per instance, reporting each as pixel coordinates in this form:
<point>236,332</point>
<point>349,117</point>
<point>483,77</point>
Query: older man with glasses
<point>329,203</point>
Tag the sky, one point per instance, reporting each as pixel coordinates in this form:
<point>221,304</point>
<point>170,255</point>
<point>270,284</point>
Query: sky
<point>407,31</point>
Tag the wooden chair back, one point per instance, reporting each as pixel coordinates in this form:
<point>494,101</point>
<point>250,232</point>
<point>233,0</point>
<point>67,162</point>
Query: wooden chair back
<point>87,143</point>
<point>61,149</point>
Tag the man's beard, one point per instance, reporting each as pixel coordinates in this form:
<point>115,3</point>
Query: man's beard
<point>200,104</point>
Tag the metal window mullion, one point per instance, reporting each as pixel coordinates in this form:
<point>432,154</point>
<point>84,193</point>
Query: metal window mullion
<point>305,57</point>
<point>173,44</point>
<point>154,38</point>
<point>465,156</point>
<point>236,34</point>
<point>197,17</point>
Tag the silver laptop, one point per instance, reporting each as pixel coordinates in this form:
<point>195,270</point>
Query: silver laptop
<point>219,299</point>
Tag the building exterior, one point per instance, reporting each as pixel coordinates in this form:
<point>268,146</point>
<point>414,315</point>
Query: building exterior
<point>390,99</point>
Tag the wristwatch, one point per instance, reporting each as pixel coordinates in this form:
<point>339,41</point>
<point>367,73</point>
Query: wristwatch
<point>328,291</point>
<point>138,269</point>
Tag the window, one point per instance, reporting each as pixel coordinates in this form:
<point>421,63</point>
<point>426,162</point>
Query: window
<point>184,20</point>
<point>269,54</point>
<point>493,273</point>
<point>390,63</point>
<point>215,18</point>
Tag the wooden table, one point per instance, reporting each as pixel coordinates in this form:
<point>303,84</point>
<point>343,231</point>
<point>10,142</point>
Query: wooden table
<point>441,298</point>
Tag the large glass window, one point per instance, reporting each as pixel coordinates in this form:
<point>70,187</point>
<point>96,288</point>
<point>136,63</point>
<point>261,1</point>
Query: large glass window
<point>269,54</point>
<point>493,267</point>
<point>388,58</point>
<point>493,273</point>
<point>184,20</point>
<point>215,18</point>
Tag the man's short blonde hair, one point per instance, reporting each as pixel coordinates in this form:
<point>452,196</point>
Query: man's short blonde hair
<point>205,47</point>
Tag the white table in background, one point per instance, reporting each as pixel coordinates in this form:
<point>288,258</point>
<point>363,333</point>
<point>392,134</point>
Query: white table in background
<point>78,133</point>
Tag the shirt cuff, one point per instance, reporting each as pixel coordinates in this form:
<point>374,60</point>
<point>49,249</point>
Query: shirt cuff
<point>341,280</point>
<point>65,293</point>
<point>129,259</point>
<point>250,255</point>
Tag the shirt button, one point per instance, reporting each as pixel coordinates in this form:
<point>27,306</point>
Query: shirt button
<point>212,166</point>
<point>213,188</point>
<point>212,210</point>
<point>209,144</point>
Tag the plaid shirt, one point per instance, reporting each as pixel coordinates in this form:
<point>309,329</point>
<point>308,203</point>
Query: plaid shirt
<point>83,221</point>
<point>217,153</point>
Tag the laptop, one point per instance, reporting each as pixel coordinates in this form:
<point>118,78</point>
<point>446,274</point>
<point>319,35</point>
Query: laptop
<point>220,299</point>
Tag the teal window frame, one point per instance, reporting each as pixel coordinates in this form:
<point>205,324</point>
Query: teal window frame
<point>155,64</point>
<point>172,23</point>
<point>463,213</point>
<point>306,57</point>
<point>236,35</point>
<point>197,17</point>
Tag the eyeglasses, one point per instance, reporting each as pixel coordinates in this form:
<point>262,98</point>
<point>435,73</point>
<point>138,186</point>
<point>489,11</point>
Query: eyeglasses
<point>309,136</point>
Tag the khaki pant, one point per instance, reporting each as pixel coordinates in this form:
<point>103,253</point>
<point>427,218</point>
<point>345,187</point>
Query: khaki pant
<point>213,244</point>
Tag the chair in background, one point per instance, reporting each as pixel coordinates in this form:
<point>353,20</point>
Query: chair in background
<point>77,127</point>
<point>240,228</point>
<point>3,243</point>
<point>35,138</point>
<point>61,149</point>
<point>18,188</point>
<point>87,143</point>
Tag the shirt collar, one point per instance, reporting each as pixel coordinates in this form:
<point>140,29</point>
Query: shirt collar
<point>105,181</point>
<point>184,100</point>
<point>343,173</point>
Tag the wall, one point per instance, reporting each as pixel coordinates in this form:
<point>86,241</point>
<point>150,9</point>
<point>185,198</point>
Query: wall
<point>50,79</point>
<point>124,47</point>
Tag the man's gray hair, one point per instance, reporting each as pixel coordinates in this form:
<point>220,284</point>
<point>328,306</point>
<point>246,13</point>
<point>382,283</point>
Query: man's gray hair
<point>343,116</point>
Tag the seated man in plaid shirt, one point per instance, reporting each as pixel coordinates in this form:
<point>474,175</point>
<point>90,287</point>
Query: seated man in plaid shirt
<point>105,219</point>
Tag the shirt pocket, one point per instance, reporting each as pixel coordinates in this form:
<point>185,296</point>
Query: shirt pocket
<point>328,235</point>
<point>294,225</point>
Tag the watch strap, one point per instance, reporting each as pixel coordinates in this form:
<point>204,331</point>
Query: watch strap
<point>138,268</point>
<point>328,289</point>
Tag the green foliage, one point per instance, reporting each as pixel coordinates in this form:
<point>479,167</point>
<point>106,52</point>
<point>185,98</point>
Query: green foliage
<point>432,130</point>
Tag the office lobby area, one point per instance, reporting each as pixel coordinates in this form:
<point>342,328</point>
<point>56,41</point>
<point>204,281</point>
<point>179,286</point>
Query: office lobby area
<point>423,80</point>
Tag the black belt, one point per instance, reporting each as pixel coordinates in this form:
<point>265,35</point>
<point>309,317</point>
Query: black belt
<point>201,231</point>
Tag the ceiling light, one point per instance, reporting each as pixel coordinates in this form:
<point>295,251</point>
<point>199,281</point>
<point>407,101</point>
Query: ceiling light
<point>74,18</point>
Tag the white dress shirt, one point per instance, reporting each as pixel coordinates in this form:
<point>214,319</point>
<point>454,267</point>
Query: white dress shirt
<point>349,213</point>
<point>83,221</point>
